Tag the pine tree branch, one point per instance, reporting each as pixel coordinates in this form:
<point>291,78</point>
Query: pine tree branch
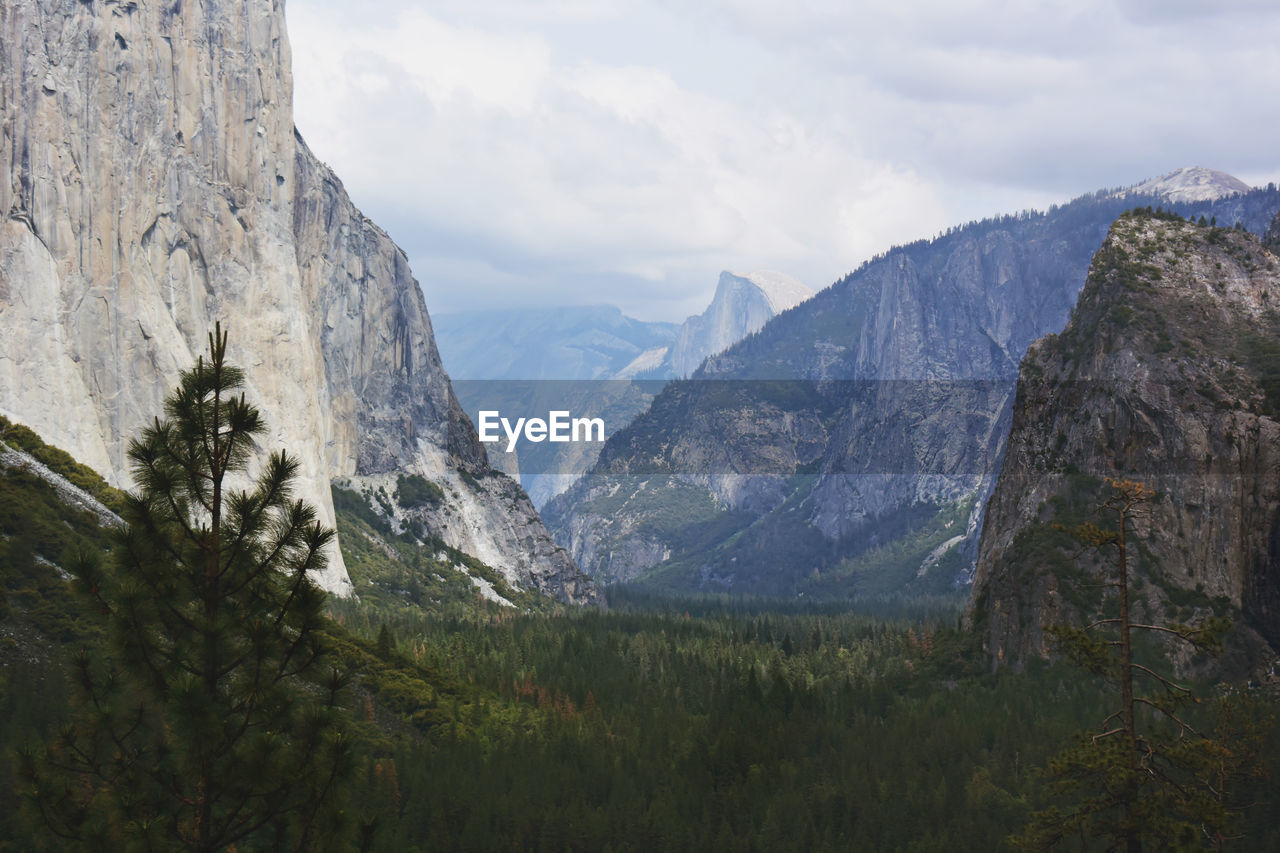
<point>1187,635</point>
<point>227,742</point>
<point>1168,685</point>
<point>1172,716</point>
<point>180,517</point>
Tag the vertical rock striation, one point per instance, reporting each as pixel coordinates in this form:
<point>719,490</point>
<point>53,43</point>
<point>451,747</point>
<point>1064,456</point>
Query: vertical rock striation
<point>149,181</point>
<point>153,183</point>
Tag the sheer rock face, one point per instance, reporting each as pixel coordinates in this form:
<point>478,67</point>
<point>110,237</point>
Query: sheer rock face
<point>1165,374</point>
<point>742,304</point>
<point>154,184</point>
<point>149,178</point>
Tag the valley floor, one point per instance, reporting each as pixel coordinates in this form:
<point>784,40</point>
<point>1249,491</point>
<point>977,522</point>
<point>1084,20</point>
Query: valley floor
<point>661,724</point>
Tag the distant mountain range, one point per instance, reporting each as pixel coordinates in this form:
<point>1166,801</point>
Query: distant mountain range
<point>863,427</point>
<point>600,342</point>
<point>582,359</point>
<point>563,342</point>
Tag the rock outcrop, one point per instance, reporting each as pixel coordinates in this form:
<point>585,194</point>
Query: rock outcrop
<point>1167,374</point>
<point>69,493</point>
<point>154,183</point>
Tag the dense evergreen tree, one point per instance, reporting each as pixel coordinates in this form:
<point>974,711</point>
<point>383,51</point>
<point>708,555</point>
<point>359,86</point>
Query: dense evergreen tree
<point>212,719</point>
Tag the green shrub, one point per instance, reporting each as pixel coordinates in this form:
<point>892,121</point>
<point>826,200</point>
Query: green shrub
<point>416,491</point>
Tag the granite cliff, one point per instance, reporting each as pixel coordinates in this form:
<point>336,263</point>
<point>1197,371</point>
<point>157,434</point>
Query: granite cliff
<point>742,304</point>
<point>154,183</point>
<point>1168,373</point>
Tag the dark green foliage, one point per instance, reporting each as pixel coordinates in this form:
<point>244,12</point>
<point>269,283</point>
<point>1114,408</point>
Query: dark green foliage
<point>385,643</point>
<point>37,533</point>
<point>473,479</point>
<point>1188,794</point>
<point>39,621</point>
<point>416,491</point>
<point>1156,213</point>
<point>60,462</point>
<point>896,565</point>
<point>709,723</point>
<point>1148,777</point>
<point>1262,352</point>
<point>212,719</point>
<point>357,508</point>
<point>716,724</point>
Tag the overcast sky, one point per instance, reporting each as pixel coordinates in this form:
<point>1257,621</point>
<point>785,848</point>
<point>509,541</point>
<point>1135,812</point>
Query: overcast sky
<point>557,152</point>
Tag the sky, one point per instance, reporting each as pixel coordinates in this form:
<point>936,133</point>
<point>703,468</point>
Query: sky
<point>571,152</point>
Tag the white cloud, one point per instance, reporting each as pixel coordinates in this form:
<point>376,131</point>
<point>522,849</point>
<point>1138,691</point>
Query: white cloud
<point>572,151</point>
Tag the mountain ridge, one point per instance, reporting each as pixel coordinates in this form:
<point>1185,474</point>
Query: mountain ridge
<point>525,363</point>
<point>864,360</point>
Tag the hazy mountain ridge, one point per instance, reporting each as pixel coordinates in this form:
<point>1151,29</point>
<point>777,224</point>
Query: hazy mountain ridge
<point>524,363</point>
<point>154,183</point>
<point>565,342</point>
<point>947,320</point>
<point>1166,374</point>
<point>600,342</point>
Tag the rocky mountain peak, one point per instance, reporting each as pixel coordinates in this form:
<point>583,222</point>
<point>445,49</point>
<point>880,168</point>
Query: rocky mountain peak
<point>781,290</point>
<point>742,305</point>
<point>1191,183</point>
<point>886,408</point>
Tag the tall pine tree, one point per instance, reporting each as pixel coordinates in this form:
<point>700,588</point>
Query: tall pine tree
<point>212,721</point>
<point>1151,778</point>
